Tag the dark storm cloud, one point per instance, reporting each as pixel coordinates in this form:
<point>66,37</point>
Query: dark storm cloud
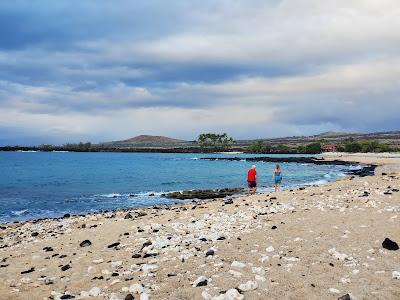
<point>108,67</point>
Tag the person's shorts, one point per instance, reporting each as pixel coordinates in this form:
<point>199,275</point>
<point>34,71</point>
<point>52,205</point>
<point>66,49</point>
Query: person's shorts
<point>278,181</point>
<point>252,184</point>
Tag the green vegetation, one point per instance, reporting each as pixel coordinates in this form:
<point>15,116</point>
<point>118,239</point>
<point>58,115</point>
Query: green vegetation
<point>350,145</point>
<point>212,140</point>
<point>311,148</point>
<point>259,147</point>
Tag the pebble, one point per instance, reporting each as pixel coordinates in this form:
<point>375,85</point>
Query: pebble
<point>248,286</point>
<point>136,288</point>
<point>334,291</point>
<point>85,243</point>
<point>98,261</point>
<point>129,297</point>
<point>270,249</point>
<point>345,297</point>
<point>201,281</point>
<point>95,291</point>
<point>231,294</point>
<point>396,274</point>
<point>237,264</point>
<point>390,245</point>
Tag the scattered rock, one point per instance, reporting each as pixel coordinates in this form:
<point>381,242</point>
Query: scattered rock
<point>113,245</point>
<point>390,245</point>
<point>95,291</point>
<point>85,243</point>
<point>128,216</point>
<point>345,297</point>
<point>201,281</point>
<point>129,297</point>
<point>396,274</point>
<point>210,252</point>
<point>248,286</point>
<point>65,268</point>
<point>28,271</point>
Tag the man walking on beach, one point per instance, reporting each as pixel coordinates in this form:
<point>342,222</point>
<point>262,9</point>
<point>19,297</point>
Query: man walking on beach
<point>252,180</point>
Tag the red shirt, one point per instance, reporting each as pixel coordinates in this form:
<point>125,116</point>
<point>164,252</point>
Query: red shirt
<point>251,175</point>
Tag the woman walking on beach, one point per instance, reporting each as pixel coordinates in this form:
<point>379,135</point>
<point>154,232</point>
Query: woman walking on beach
<point>278,175</point>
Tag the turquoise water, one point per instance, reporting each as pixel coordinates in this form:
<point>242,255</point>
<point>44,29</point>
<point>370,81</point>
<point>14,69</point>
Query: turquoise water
<point>48,184</point>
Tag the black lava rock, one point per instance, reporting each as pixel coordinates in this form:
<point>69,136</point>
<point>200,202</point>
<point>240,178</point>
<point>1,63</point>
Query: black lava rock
<point>28,271</point>
<point>128,216</point>
<point>390,245</point>
<point>113,245</point>
<point>136,255</point>
<point>35,234</point>
<point>65,268</point>
<point>345,297</point>
<point>67,297</point>
<point>67,215</point>
<point>85,243</point>
<point>274,227</point>
<point>210,252</point>
<point>48,249</point>
<point>129,297</point>
<point>202,283</point>
<point>229,201</point>
<point>221,238</point>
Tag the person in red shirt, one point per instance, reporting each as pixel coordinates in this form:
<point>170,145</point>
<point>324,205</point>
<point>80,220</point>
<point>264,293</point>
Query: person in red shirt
<point>252,180</point>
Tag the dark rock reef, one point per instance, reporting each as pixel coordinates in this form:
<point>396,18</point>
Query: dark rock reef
<point>204,194</point>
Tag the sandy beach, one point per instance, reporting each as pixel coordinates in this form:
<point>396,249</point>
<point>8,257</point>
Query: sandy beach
<point>320,242</point>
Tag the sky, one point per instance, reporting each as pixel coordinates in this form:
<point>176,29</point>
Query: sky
<point>73,70</point>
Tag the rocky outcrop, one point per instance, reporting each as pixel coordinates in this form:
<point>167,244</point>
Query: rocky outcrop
<point>204,194</point>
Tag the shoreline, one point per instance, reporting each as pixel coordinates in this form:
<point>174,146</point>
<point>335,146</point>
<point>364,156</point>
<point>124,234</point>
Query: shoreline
<point>313,242</point>
<point>365,170</point>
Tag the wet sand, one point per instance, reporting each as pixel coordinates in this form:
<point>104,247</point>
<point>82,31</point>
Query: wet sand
<point>319,242</point>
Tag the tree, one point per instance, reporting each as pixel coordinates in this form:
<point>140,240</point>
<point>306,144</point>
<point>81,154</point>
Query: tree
<point>207,140</point>
<point>258,147</point>
<point>313,148</point>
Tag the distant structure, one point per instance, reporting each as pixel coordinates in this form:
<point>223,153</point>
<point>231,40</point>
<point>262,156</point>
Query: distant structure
<point>329,148</point>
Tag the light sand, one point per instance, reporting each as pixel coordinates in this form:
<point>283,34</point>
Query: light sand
<point>327,243</point>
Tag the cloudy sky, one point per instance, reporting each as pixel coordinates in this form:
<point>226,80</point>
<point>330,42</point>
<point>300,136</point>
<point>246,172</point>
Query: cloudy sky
<point>107,70</point>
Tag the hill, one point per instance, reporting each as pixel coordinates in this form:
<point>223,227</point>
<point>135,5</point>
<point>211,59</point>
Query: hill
<point>148,141</point>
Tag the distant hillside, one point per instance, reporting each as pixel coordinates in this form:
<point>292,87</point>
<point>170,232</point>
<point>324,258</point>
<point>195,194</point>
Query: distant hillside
<point>390,137</point>
<point>148,141</point>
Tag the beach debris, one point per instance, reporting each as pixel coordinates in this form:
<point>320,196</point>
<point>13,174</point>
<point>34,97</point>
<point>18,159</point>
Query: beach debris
<point>390,245</point>
<point>248,286</point>
<point>85,243</point>
<point>201,281</point>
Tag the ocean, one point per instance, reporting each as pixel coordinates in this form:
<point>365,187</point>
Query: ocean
<point>50,184</point>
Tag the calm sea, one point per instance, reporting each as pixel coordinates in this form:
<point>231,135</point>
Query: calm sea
<point>42,184</point>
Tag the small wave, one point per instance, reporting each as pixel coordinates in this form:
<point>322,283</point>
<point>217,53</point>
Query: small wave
<point>27,151</point>
<point>60,151</point>
<point>194,158</point>
<point>19,212</point>
<point>317,182</point>
<point>112,195</point>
